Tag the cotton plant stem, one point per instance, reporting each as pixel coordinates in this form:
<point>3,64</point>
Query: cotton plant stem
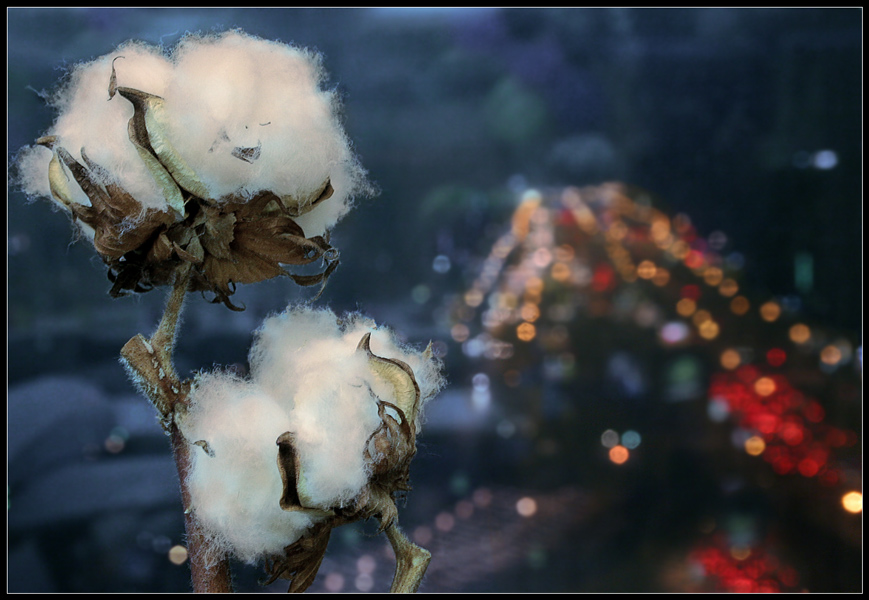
<point>150,365</point>
<point>208,575</point>
<point>163,339</point>
<point>411,562</point>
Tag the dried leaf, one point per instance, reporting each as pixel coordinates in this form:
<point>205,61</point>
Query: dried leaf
<point>219,234</point>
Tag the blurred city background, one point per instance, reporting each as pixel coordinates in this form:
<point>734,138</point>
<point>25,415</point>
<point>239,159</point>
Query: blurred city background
<point>634,236</point>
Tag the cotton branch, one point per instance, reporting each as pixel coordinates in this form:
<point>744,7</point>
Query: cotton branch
<point>150,365</point>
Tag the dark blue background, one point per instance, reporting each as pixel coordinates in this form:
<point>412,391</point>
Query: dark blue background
<point>716,111</point>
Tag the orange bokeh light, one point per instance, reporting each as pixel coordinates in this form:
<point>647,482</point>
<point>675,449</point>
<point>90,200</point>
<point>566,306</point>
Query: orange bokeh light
<point>728,288</point>
<point>739,305</point>
<point>764,386</point>
<point>526,332</point>
<point>686,307</point>
<point>619,454</point>
<point>730,359</point>
<point>800,333</point>
<point>770,311</point>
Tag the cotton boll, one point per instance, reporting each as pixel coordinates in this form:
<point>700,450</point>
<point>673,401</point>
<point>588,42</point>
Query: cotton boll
<point>245,114</point>
<point>236,492</point>
<point>301,358</point>
<point>308,378</point>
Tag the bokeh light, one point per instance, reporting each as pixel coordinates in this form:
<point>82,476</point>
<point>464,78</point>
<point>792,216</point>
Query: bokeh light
<point>526,332</point>
<point>661,277</point>
<point>482,497</point>
<point>441,264</point>
<point>526,507</point>
<point>831,355</point>
<point>740,305</point>
<point>853,502</point>
<point>674,332</point>
<point>755,445</point>
<point>445,521</point>
<point>646,269</point>
<point>178,555</point>
<point>800,333</point>
<point>728,288</point>
<point>713,276</point>
<point>609,438</point>
<point>334,582</point>
<point>364,582</point>
<point>459,332</point>
<point>776,357</point>
<point>764,386</point>
<point>770,311</point>
<point>619,454</point>
<point>709,330</point>
<point>686,307</point>
<point>631,439</point>
<point>730,359</point>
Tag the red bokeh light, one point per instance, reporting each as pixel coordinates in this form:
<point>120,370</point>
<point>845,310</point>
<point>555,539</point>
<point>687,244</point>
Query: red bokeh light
<point>603,278</point>
<point>814,412</point>
<point>690,291</point>
<point>808,467</point>
<point>776,357</point>
<point>693,260</point>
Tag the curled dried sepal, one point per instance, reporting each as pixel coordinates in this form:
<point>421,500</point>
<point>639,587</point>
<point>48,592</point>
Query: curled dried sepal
<point>295,496</point>
<point>112,210</point>
<point>301,560</point>
<point>398,374</point>
<point>147,130</point>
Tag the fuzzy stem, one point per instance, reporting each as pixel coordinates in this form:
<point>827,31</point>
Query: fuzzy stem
<point>411,562</point>
<point>150,365</point>
<point>164,338</point>
<point>206,577</point>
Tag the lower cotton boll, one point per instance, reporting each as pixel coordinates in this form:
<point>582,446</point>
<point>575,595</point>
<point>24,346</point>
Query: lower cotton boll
<point>312,378</point>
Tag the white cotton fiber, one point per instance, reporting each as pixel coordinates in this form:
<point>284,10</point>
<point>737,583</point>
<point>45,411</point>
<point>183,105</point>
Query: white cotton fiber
<point>306,378</point>
<point>221,93</point>
<point>236,491</point>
